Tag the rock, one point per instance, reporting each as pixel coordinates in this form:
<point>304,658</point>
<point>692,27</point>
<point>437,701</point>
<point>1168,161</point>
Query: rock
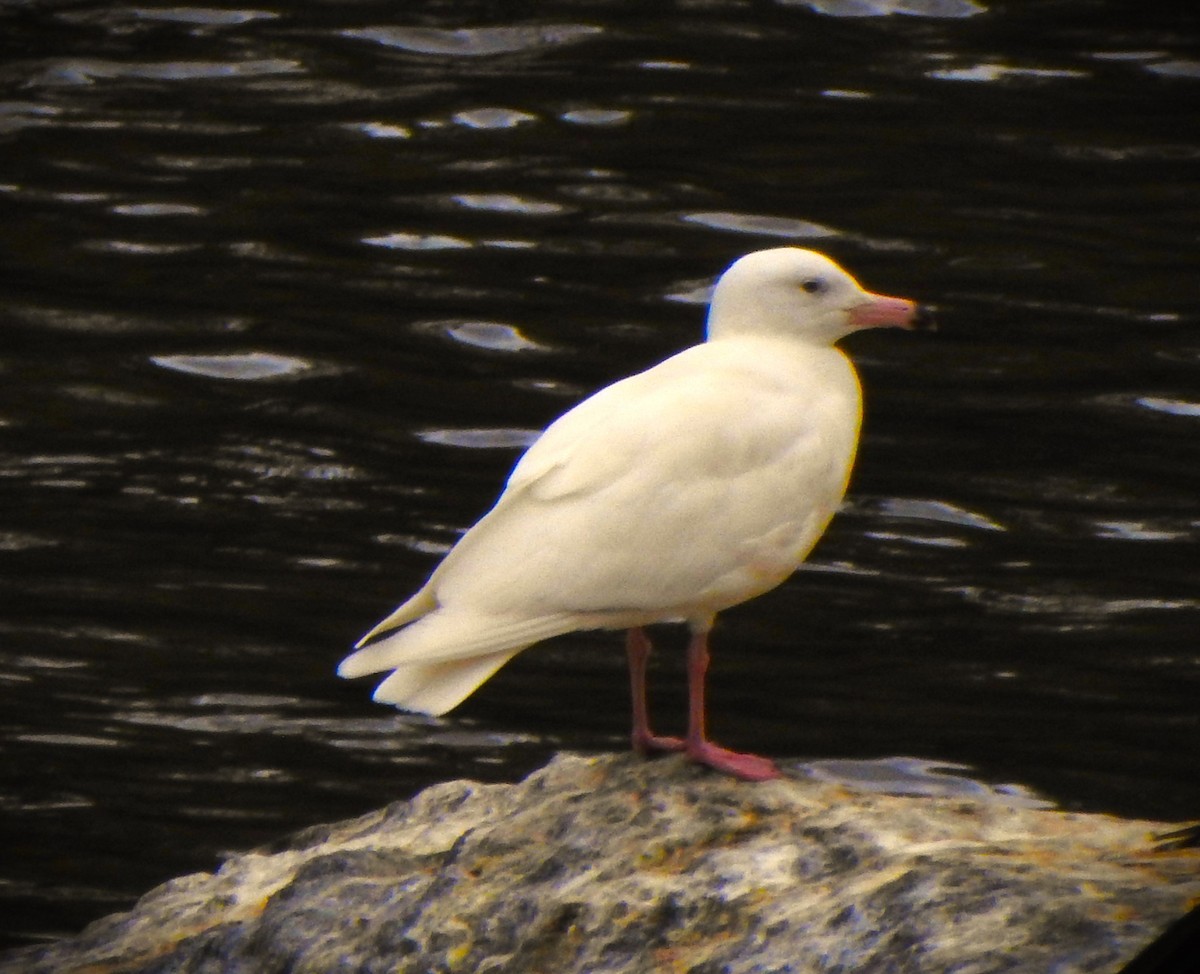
<point>614,864</point>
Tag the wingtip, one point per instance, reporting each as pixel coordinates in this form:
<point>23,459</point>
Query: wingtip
<point>419,605</point>
<point>386,625</point>
<point>355,665</point>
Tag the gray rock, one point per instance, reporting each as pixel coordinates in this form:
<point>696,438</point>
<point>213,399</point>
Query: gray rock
<point>617,864</point>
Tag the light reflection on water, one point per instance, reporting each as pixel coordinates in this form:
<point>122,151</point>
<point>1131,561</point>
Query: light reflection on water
<point>287,291</point>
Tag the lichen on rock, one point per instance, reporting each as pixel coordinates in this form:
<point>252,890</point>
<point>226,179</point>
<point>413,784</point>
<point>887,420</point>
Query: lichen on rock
<point>613,864</point>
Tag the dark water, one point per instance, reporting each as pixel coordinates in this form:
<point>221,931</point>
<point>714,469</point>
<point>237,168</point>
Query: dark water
<point>284,289</point>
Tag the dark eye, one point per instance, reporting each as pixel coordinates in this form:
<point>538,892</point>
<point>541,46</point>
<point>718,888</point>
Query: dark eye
<point>814,285</point>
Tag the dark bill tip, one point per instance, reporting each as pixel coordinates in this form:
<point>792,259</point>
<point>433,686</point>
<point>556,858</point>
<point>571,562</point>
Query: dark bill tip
<point>922,319</point>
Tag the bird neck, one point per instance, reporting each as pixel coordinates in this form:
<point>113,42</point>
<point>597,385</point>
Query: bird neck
<point>759,318</point>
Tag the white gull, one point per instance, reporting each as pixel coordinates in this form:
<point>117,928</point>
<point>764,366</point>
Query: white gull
<point>668,496</point>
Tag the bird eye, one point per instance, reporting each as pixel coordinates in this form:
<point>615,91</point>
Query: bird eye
<point>814,285</point>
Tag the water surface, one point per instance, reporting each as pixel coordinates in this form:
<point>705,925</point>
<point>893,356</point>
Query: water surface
<point>287,288</point>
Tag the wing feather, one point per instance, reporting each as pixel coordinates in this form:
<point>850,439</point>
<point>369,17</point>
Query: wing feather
<point>660,490</point>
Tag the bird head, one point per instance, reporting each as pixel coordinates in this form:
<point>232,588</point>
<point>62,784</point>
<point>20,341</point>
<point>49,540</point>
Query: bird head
<point>801,294</point>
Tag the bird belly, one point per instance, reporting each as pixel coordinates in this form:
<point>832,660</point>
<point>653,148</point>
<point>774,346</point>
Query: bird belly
<point>764,562</point>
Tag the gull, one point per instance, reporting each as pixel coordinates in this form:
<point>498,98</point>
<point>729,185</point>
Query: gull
<point>670,495</point>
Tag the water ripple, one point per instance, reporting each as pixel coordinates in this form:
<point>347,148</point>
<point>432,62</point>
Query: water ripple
<point>17,115</point>
<point>492,335</point>
<point>401,240</point>
<point>382,130</point>
<point>83,71</point>
<point>242,366</point>
<point>139,248</point>
<point>492,118</point>
<point>953,9</point>
<point>508,203</point>
<point>767,226</point>
<point>1178,68</point>
<point>1070,611</point>
<point>1176,407</point>
<point>157,209</point>
<point>1145,530</point>
<point>991,71</point>
<point>480,439</point>
<point>918,776</point>
<point>597,116</point>
<point>940,512</point>
<point>475,41</point>
<point>202,16</point>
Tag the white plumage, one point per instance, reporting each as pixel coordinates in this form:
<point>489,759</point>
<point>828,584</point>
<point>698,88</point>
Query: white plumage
<point>670,495</point>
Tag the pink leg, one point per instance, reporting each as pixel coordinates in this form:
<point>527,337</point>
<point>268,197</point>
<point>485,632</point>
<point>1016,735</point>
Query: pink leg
<point>747,766</point>
<point>637,647</point>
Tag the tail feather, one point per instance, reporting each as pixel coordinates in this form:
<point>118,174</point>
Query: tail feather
<point>435,688</point>
<point>439,659</point>
<point>446,635</point>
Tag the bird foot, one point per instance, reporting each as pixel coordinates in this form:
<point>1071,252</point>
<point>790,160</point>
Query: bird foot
<point>748,767</point>
<point>648,743</point>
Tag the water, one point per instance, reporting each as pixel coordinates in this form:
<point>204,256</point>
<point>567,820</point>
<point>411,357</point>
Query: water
<point>285,289</point>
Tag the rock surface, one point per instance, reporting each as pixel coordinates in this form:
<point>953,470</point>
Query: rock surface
<point>613,864</point>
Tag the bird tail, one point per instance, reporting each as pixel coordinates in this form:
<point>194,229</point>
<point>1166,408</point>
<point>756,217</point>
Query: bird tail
<point>435,688</point>
<point>439,659</point>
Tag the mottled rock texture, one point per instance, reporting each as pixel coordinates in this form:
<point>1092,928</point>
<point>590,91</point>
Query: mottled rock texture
<point>615,864</point>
